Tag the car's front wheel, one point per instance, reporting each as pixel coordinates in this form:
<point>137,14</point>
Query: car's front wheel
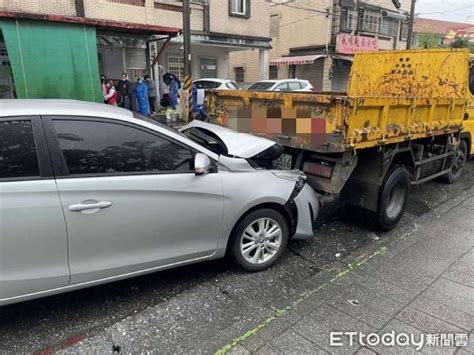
<point>259,240</point>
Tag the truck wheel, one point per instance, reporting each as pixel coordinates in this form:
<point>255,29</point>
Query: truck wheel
<point>458,162</point>
<point>259,240</point>
<point>393,198</point>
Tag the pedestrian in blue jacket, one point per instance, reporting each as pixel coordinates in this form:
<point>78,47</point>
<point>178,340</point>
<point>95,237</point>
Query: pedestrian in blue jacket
<point>141,92</point>
<point>174,92</point>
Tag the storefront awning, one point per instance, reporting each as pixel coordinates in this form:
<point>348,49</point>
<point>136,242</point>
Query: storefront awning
<point>348,58</point>
<point>297,60</point>
<point>100,24</point>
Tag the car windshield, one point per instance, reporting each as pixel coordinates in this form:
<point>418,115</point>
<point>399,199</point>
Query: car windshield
<point>231,85</point>
<point>262,85</point>
<point>207,84</point>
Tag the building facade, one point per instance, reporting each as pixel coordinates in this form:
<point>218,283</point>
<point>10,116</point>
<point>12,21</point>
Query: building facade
<point>132,36</point>
<point>316,41</point>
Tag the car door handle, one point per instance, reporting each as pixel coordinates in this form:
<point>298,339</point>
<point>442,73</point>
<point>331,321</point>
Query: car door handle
<point>90,205</point>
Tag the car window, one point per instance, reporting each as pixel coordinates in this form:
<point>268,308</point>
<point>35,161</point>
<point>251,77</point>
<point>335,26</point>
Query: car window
<point>207,84</point>
<point>92,147</point>
<point>294,85</point>
<point>261,86</point>
<point>231,85</point>
<point>282,87</point>
<point>18,157</point>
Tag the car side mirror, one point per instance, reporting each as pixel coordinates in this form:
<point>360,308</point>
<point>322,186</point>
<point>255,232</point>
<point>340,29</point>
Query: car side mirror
<point>202,164</point>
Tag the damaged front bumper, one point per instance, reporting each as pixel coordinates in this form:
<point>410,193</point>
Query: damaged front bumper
<point>306,207</point>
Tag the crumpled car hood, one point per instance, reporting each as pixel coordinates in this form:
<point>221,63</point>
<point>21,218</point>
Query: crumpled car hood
<point>242,145</point>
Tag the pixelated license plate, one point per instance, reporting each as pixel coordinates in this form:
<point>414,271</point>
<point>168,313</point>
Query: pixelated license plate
<point>283,162</point>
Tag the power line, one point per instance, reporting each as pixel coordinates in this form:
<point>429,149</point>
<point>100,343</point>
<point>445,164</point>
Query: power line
<point>324,11</point>
<point>300,20</point>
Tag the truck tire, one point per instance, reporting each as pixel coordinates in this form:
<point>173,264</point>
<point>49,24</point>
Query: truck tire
<point>458,162</point>
<point>251,236</point>
<point>393,198</point>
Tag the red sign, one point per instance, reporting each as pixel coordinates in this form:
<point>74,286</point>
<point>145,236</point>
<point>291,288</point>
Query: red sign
<point>349,44</point>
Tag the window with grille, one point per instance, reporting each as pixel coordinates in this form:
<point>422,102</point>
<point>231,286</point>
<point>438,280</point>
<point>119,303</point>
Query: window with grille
<point>176,66</point>
<point>347,20</point>
<point>404,31</point>
<point>239,74</point>
<point>389,26</point>
<point>240,8</point>
<point>370,21</point>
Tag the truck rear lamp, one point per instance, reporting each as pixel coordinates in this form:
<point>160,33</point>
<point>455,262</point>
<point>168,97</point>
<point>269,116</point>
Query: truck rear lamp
<point>318,169</point>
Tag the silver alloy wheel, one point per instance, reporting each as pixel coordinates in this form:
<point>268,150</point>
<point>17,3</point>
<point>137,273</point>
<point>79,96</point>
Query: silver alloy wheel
<point>261,240</point>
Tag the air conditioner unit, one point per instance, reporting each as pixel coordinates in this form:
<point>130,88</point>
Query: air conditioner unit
<point>394,15</point>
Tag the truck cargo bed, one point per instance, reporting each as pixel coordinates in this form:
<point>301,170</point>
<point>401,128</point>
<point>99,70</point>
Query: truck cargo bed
<point>392,97</point>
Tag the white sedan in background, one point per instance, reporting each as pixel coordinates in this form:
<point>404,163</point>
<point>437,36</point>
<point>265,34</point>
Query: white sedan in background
<point>282,85</point>
<point>215,84</point>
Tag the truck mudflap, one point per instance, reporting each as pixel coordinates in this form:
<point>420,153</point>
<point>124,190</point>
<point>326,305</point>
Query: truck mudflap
<point>307,205</point>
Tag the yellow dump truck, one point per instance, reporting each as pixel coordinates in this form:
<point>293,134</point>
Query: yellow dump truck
<point>399,124</point>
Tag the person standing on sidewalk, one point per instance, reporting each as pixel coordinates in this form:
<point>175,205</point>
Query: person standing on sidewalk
<point>124,88</point>
<point>151,93</point>
<point>174,92</point>
<point>141,92</point>
<point>111,94</point>
<point>103,84</point>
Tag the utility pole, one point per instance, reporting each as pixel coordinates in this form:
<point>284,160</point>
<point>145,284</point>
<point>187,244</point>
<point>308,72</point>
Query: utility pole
<point>411,22</point>
<point>188,81</point>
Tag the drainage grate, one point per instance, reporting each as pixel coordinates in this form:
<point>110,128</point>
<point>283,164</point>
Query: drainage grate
<point>417,207</point>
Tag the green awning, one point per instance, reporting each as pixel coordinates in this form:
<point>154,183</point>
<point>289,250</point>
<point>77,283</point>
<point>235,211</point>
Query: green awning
<point>53,60</point>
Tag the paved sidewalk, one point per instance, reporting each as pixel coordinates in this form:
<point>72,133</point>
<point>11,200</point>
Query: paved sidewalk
<point>420,283</point>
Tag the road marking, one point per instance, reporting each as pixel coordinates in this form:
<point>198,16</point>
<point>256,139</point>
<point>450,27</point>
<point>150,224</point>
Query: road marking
<point>280,312</point>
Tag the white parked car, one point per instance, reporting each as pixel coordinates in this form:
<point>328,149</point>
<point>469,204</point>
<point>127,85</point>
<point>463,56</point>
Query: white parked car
<point>212,84</point>
<point>217,84</point>
<point>90,193</point>
<point>282,85</point>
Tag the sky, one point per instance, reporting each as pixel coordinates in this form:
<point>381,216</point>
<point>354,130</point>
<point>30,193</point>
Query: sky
<point>448,10</point>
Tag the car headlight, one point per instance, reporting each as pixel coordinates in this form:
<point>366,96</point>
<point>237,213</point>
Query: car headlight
<point>299,178</point>
<point>298,187</point>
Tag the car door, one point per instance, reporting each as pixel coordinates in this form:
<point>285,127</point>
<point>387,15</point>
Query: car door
<point>131,199</point>
<point>33,240</point>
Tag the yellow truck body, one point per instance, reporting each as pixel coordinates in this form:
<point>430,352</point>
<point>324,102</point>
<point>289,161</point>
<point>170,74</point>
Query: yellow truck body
<point>392,97</point>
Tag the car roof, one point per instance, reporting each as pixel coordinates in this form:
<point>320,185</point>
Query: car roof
<point>277,81</point>
<point>54,107</point>
<point>213,79</point>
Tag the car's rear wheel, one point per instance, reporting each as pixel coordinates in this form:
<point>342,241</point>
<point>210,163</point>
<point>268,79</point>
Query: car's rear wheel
<point>259,240</point>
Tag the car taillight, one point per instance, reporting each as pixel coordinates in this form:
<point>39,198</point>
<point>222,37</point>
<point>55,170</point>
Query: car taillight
<point>311,87</point>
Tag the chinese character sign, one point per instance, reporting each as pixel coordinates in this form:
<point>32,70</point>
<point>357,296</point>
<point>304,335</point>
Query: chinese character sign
<point>349,44</point>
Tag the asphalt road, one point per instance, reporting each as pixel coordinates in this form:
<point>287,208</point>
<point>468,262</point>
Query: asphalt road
<point>200,307</point>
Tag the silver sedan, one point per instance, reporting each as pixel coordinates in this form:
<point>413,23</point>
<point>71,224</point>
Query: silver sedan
<point>90,194</point>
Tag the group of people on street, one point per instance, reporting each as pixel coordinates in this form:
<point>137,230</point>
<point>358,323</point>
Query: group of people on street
<point>120,94</point>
